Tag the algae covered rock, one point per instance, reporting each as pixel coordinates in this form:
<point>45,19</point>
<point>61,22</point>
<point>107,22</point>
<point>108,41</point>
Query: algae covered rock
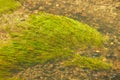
<point>45,37</point>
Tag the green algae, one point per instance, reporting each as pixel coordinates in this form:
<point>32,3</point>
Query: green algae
<point>48,38</point>
<point>7,5</point>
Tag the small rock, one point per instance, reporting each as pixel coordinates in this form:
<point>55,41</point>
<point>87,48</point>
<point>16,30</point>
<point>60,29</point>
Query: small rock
<point>97,51</point>
<point>57,5</point>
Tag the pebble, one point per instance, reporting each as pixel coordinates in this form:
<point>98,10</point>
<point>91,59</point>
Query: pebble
<point>97,51</point>
<point>57,5</point>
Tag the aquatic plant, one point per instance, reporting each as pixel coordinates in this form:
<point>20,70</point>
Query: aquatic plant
<point>8,5</point>
<point>45,38</point>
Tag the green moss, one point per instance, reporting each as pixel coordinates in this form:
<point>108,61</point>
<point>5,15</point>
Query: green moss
<point>87,63</point>
<point>6,5</point>
<point>15,78</point>
<point>45,37</point>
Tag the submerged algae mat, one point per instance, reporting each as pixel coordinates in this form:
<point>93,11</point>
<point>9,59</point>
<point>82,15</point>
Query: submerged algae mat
<point>45,37</point>
<point>7,5</point>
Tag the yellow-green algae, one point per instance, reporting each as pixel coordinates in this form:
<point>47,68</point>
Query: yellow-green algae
<point>45,37</point>
<point>6,5</point>
<point>87,63</point>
